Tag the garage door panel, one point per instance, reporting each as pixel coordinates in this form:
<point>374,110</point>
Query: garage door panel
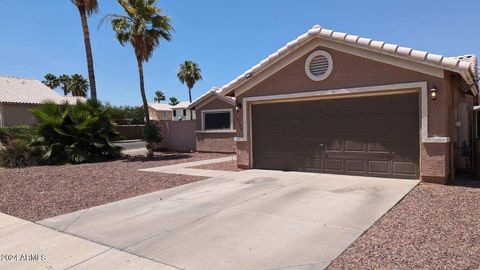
<point>405,168</point>
<point>333,165</point>
<point>379,166</point>
<point>376,136</point>
<point>355,166</point>
<point>354,146</point>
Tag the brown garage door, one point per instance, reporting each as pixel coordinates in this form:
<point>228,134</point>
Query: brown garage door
<point>372,136</point>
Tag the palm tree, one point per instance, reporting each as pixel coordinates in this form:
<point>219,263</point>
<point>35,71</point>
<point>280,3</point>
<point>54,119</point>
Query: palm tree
<point>173,101</point>
<point>143,26</point>
<point>87,8</point>
<point>64,81</point>
<point>159,96</point>
<point>51,81</point>
<point>189,72</point>
<point>78,85</point>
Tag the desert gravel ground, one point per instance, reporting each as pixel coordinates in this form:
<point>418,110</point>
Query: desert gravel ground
<point>220,166</point>
<point>40,192</point>
<point>433,227</point>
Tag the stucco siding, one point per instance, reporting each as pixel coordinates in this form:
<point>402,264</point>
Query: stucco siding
<point>351,71</point>
<point>159,115</point>
<point>214,142</point>
<point>17,114</point>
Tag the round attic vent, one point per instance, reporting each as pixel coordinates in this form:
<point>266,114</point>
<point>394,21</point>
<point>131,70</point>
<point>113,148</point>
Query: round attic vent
<point>319,65</point>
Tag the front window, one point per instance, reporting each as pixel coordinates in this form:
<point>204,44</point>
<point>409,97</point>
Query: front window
<point>174,113</point>
<point>184,112</point>
<point>217,120</point>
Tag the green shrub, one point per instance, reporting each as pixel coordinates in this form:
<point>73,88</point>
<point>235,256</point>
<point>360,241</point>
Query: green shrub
<point>151,134</point>
<point>17,154</point>
<point>75,133</point>
<point>23,133</point>
<point>133,115</point>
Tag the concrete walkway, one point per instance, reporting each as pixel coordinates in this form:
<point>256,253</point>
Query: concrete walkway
<point>26,245</point>
<point>252,219</point>
<point>185,168</point>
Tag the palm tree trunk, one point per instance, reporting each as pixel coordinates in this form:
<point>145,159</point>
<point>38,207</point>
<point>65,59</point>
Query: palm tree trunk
<point>190,98</point>
<point>142,91</point>
<point>88,51</point>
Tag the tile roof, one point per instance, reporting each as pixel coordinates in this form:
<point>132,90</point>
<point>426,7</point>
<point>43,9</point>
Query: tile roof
<point>181,105</point>
<point>213,91</point>
<point>29,91</point>
<point>472,59</point>
<point>160,106</point>
<point>456,64</point>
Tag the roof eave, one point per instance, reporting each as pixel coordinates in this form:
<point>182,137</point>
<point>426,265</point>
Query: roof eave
<point>423,58</point>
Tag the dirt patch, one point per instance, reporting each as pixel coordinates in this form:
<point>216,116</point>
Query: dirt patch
<point>433,227</point>
<point>36,193</point>
<point>220,166</point>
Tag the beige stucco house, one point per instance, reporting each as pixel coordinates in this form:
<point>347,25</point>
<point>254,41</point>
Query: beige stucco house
<point>181,112</point>
<point>332,102</point>
<point>19,95</point>
<point>166,112</point>
<point>160,112</point>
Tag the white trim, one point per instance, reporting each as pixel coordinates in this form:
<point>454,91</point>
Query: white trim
<point>208,97</point>
<point>216,131</point>
<point>340,93</point>
<point>216,111</point>
<point>211,98</point>
<point>289,57</point>
<point>309,61</point>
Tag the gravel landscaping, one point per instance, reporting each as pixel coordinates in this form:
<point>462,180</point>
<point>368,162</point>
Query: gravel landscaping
<point>36,193</point>
<point>433,227</point>
<point>220,166</point>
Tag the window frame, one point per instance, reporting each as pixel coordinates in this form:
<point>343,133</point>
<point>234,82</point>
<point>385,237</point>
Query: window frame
<point>230,111</point>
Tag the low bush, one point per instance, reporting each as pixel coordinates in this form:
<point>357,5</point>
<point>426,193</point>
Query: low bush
<point>23,133</point>
<point>75,133</point>
<point>17,154</point>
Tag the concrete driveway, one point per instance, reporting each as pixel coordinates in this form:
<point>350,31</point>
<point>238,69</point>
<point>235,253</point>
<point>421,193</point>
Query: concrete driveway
<point>247,220</point>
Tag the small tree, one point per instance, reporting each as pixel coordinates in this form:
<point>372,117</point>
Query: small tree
<point>159,96</point>
<point>152,135</point>
<point>173,101</point>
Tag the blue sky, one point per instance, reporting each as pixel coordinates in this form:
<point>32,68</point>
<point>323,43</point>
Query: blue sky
<point>224,37</point>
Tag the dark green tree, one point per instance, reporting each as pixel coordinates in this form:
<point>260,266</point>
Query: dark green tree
<point>51,81</point>
<point>174,101</point>
<point>159,96</point>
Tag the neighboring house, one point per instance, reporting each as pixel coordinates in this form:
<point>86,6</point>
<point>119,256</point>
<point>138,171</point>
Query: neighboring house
<point>163,112</point>
<point>19,95</point>
<point>215,127</point>
<point>160,112</point>
<point>331,102</point>
<point>180,111</point>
